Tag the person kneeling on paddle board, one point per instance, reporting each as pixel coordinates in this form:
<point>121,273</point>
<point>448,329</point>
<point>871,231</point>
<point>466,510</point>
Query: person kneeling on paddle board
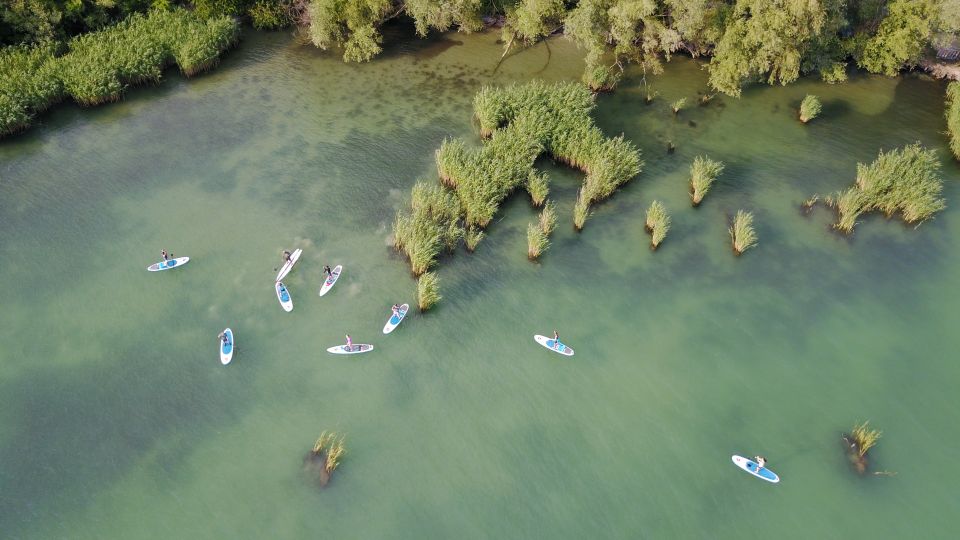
<point>223,338</point>
<point>327,270</point>
<point>349,343</point>
<point>396,309</point>
<point>761,461</point>
<point>286,256</point>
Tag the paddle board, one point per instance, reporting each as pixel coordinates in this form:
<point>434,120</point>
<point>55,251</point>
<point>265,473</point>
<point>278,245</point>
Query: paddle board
<point>554,346</point>
<point>751,467</point>
<point>396,318</point>
<point>168,264</point>
<point>288,265</point>
<point>356,349</point>
<point>334,276</point>
<point>284,296</point>
<point>226,349</point>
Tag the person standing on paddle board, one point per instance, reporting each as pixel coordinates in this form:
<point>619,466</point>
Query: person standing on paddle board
<point>327,270</point>
<point>556,339</point>
<point>396,309</point>
<point>349,343</point>
<point>163,254</point>
<point>223,338</point>
<point>761,461</point>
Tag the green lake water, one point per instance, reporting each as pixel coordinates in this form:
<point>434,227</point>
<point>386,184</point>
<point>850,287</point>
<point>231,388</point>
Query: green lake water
<point>118,421</point>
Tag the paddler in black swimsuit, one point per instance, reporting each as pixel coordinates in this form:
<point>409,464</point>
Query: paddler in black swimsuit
<point>327,270</point>
<point>556,339</point>
<point>163,254</point>
<point>286,256</point>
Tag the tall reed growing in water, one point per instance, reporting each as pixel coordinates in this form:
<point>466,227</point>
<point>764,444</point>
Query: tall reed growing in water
<point>538,234</point>
<point>953,117</point>
<point>325,455</point>
<point>520,122</point>
<point>905,181</point>
<point>428,290</point>
<point>657,223</point>
<point>703,172</point>
<point>742,235</point>
<point>810,108</point>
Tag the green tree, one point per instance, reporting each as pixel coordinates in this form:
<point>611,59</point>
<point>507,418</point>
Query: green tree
<point>901,38</point>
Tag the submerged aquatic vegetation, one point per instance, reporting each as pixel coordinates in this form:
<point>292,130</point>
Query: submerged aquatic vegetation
<point>810,108</point>
<point>657,223</point>
<point>953,117</point>
<point>703,172</point>
<point>326,454</point>
<point>428,290</point>
<point>906,180</point>
<point>742,235</point>
<point>519,122</point>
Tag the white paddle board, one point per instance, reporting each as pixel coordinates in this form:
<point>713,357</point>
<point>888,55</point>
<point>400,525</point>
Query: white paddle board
<point>288,265</point>
<point>356,349</point>
<point>331,280</point>
<point>751,467</point>
<point>283,295</point>
<point>226,349</point>
<point>168,264</point>
<point>554,346</point>
<point>396,318</point>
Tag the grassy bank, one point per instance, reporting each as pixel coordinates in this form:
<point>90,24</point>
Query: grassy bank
<point>98,67</point>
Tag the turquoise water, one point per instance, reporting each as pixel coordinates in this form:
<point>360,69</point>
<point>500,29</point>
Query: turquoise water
<point>117,419</point>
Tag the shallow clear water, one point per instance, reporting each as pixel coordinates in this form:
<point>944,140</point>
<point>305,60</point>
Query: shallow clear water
<point>117,420</point>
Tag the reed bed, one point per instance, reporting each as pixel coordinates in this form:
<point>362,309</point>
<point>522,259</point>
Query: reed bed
<point>905,181</point>
<point>28,84</point>
<point>98,67</point>
<point>742,235</point>
<point>810,108</point>
<point>519,122</point>
<point>657,223</point>
<point>432,223</point>
<point>428,290</point>
<point>703,173</point>
<point>953,117</point>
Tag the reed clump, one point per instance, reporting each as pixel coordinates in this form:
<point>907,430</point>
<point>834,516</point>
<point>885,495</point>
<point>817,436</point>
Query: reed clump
<point>537,187</point>
<point>657,223</point>
<point>860,440</point>
<point>581,211</point>
<point>538,234</point>
<point>325,456</point>
<point>742,235</point>
<point>97,67</point>
<point>428,290</point>
<point>953,117</point>
<point>678,105</point>
<point>519,123</point>
<point>472,237</point>
<point>703,173</point>
<point>905,181</point>
<point>810,108</point>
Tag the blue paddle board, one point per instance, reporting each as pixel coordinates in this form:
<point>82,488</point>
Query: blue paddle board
<point>226,349</point>
<point>168,264</point>
<point>751,467</point>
